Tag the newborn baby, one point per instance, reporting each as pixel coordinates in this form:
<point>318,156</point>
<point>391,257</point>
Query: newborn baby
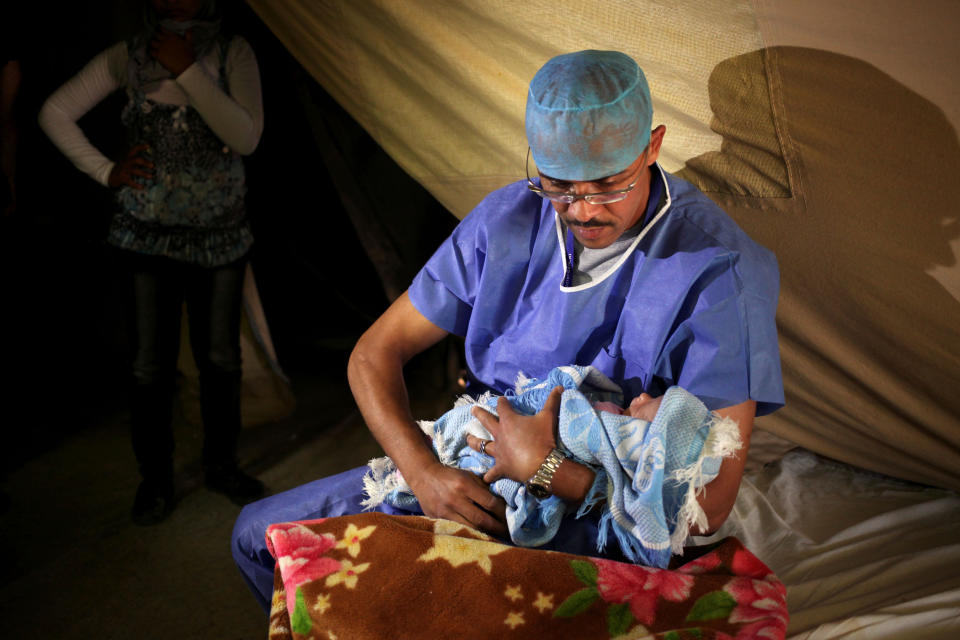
<point>644,496</point>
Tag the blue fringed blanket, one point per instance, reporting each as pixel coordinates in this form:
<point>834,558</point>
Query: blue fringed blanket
<point>648,473</point>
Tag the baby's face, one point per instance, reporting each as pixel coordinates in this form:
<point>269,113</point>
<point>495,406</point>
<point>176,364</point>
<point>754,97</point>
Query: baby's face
<point>643,407</point>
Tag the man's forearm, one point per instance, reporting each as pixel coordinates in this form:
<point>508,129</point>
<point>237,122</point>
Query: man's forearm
<point>719,495</point>
<point>572,481</point>
<point>375,373</point>
<point>376,380</point>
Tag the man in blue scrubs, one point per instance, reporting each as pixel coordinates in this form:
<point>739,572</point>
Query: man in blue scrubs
<point>606,260</point>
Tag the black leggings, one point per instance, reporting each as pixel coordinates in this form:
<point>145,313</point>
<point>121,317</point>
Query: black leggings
<point>213,297</point>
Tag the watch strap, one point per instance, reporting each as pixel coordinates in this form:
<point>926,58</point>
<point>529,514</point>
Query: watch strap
<point>540,483</point>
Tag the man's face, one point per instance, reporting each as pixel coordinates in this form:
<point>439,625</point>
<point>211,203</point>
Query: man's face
<point>597,225</point>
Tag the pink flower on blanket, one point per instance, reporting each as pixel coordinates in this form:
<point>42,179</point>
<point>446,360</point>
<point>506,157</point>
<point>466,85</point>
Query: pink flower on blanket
<point>748,565</point>
<point>704,564</point>
<point>300,556</point>
<point>295,540</point>
<point>640,587</point>
<point>761,602</point>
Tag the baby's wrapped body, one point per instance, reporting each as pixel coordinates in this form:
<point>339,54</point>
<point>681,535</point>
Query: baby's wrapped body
<point>649,461</point>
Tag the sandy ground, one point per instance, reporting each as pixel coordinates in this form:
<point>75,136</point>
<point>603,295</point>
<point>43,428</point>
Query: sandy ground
<point>77,568</point>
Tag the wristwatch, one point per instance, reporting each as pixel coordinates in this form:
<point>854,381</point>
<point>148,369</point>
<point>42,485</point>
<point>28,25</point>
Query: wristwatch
<point>539,484</point>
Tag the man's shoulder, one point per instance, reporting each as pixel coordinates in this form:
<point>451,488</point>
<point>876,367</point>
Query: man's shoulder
<point>507,200</point>
<point>508,209</point>
<point>689,204</point>
<point>698,217</point>
<point>698,226</point>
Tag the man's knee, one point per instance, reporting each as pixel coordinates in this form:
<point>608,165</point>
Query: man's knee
<point>248,541</point>
<point>249,549</point>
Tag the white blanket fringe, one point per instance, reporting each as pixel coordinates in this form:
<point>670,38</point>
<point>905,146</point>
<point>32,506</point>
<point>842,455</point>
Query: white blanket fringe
<point>383,478</point>
<point>723,442</point>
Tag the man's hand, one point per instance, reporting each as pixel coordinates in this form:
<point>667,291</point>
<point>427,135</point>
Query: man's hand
<point>134,166</point>
<point>521,443</point>
<point>458,495</point>
<point>375,372</point>
<point>174,52</point>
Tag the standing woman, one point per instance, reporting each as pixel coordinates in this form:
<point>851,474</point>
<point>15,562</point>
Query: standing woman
<point>194,107</point>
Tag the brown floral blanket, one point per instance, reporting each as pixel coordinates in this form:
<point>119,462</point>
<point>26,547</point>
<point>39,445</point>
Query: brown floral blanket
<point>377,576</point>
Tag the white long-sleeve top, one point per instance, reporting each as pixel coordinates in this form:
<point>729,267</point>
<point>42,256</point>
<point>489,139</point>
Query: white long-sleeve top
<point>235,117</point>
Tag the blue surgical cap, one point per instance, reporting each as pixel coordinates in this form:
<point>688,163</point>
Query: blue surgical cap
<point>588,115</point>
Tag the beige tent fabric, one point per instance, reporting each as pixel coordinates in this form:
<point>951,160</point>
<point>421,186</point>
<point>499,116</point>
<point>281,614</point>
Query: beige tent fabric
<point>442,85</point>
<point>869,340</point>
<point>846,169</point>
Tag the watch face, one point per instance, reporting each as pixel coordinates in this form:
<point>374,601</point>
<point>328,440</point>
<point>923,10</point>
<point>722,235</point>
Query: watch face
<point>537,491</point>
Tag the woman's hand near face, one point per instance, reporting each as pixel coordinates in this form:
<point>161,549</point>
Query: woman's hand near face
<point>174,52</point>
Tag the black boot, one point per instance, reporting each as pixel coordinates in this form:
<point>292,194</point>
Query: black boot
<point>152,438</point>
<point>153,503</point>
<point>228,479</point>
<point>220,405</point>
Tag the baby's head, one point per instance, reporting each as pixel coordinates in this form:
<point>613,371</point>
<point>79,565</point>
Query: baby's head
<point>643,407</point>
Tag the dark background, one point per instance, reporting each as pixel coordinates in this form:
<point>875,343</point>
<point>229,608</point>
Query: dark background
<point>65,346</point>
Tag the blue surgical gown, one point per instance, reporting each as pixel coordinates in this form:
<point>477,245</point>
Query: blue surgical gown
<point>692,305</point>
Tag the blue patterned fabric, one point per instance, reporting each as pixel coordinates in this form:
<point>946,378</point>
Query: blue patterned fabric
<point>647,472</point>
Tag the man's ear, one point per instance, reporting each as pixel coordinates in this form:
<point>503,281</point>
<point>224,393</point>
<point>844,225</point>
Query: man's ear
<point>656,139</point>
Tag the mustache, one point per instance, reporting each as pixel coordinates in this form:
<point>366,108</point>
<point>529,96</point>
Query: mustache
<point>588,224</point>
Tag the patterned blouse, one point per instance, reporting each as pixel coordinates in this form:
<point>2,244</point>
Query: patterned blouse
<point>192,209</point>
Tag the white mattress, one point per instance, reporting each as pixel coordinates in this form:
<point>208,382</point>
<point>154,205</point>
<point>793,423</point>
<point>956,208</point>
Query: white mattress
<point>863,555</point>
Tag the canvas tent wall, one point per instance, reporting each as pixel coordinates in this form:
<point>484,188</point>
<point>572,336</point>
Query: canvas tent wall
<point>827,130</point>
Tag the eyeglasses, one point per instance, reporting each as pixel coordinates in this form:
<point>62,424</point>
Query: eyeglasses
<point>563,197</point>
